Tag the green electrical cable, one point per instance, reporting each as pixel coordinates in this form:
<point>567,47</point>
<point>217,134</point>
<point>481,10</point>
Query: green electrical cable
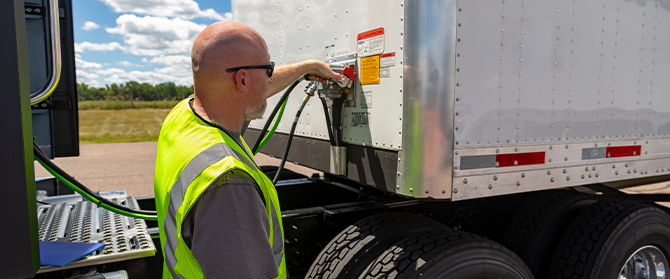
<point>274,127</point>
<point>93,199</point>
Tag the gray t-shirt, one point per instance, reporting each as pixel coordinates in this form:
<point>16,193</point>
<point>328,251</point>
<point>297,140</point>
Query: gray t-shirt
<point>227,230</point>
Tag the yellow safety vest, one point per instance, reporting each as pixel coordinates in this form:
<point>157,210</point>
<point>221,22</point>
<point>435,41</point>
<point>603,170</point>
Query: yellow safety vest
<point>192,155</point>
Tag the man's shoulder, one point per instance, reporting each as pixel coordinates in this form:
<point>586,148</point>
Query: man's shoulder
<point>235,176</point>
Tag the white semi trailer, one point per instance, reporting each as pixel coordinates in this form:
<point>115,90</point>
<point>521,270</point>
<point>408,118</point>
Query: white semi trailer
<point>464,100</point>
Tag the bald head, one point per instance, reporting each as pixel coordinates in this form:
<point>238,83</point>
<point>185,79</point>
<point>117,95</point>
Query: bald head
<point>229,98</point>
<point>223,45</point>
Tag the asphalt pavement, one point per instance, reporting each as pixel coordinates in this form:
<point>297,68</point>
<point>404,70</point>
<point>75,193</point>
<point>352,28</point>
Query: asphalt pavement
<point>126,166</point>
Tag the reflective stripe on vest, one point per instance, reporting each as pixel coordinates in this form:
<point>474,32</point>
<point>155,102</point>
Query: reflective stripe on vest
<point>199,163</point>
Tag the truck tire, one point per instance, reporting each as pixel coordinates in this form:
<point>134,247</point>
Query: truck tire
<point>352,250</point>
<point>446,253</point>
<point>606,235</point>
<point>539,225</point>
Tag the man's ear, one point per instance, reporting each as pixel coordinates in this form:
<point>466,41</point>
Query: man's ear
<point>240,80</point>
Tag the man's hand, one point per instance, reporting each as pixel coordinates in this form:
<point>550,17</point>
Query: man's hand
<point>286,74</point>
<point>321,71</point>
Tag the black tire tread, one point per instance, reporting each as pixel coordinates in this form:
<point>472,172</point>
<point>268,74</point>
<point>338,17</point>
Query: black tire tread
<point>334,257</point>
<point>587,236</point>
<point>396,259</point>
<point>529,217</point>
<point>434,245</point>
<point>536,226</point>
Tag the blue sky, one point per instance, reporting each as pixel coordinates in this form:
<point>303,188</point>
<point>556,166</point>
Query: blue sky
<point>142,40</point>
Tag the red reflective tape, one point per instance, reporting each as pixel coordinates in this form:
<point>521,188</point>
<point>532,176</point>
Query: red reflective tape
<point>371,33</point>
<point>624,151</point>
<point>387,55</point>
<point>519,159</point>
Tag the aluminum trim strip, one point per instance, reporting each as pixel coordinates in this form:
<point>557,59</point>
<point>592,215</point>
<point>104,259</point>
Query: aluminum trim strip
<point>426,164</point>
<point>581,163</point>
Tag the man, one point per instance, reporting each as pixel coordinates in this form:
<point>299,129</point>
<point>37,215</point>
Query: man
<point>218,214</point>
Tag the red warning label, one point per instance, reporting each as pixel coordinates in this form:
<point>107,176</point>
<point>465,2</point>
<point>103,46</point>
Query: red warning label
<point>372,33</point>
<point>371,42</point>
<point>387,60</point>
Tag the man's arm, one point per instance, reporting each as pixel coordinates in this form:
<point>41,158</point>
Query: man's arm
<point>287,74</point>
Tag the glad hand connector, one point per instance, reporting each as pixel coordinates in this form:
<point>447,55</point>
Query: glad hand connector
<point>312,87</point>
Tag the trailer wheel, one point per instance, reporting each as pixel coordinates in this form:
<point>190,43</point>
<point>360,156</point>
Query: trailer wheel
<point>612,239</point>
<point>353,249</point>
<point>539,225</point>
<point>446,253</point>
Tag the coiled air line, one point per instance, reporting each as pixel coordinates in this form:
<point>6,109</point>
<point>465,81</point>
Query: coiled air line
<point>262,138</point>
<point>87,193</point>
<point>311,88</point>
<point>347,71</point>
<point>281,104</point>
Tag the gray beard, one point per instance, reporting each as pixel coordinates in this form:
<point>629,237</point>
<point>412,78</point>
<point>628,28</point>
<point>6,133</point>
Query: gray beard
<point>255,112</point>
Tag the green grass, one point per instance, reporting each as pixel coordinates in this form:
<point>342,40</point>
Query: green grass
<point>117,105</point>
<point>120,125</point>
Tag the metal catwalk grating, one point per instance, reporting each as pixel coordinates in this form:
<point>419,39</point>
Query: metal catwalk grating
<point>69,219</point>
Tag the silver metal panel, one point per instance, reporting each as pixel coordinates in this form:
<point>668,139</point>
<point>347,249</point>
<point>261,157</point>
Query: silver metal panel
<point>566,78</point>
<point>567,71</point>
<point>300,30</point>
<point>425,166</point>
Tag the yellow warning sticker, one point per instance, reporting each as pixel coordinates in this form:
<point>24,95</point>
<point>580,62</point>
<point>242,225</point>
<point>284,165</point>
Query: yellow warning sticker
<point>370,70</point>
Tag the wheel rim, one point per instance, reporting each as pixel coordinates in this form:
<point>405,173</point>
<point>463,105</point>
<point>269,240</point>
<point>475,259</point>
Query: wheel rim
<point>647,262</point>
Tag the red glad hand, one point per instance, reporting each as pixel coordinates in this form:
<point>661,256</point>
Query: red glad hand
<point>349,72</point>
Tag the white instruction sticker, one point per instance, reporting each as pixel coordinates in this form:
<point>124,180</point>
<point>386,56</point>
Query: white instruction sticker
<point>366,99</point>
<point>387,60</point>
<point>371,42</point>
<point>330,51</point>
<point>385,72</point>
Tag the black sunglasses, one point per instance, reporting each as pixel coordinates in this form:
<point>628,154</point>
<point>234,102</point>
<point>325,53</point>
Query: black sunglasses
<point>269,68</point>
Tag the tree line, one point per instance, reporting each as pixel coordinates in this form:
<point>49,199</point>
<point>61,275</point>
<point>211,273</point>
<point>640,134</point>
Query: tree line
<point>133,91</point>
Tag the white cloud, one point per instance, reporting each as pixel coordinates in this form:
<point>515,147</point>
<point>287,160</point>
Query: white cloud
<point>81,47</point>
<point>152,77</point>
<point>87,75</point>
<point>90,25</point>
<point>89,78</point>
<point>145,60</point>
<point>172,60</point>
<point>128,64</point>
<point>84,65</point>
<point>155,36</point>
<point>187,9</point>
<point>109,71</point>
